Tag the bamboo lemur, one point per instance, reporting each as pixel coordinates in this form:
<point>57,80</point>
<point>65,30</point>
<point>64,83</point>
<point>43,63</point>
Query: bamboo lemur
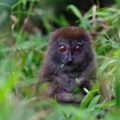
<point>69,65</point>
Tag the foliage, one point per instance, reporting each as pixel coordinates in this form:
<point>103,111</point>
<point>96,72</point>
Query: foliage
<point>21,55</point>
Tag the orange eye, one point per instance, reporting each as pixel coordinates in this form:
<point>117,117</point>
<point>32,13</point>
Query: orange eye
<point>77,48</point>
<point>62,48</point>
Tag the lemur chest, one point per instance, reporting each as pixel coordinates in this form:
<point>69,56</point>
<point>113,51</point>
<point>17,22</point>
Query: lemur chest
<point>67,82</point>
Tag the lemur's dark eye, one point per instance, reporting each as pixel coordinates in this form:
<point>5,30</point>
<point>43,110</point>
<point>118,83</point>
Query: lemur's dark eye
<point>78,48</point>
<point>62,48</point>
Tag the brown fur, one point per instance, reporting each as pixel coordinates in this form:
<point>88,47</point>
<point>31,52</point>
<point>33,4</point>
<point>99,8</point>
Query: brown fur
<point>70,33</point>
<point>81,75</point>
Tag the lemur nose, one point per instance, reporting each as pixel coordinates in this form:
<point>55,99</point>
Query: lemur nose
<point>70,60</point>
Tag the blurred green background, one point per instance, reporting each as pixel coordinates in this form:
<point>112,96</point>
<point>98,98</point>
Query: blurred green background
<point>25,26</point>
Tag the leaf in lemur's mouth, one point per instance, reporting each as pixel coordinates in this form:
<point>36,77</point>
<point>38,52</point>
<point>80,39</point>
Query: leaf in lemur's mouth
<point>77,80</point>
<point>62,66</point>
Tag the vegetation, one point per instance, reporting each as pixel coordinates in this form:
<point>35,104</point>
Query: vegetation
<point>21,55</point>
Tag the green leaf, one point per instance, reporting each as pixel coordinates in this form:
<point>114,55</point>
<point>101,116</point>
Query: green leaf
<point>94,101</point>
<point>86,100</point>
<point>75,10</point>
<point>117,82</point>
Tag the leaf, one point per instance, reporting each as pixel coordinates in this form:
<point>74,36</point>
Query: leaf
<point>57,115</point>
<point>105,65</point>
<point>75,10</point>
<point>94,101</point>
<point>117,82</point>
<point>86,100</point>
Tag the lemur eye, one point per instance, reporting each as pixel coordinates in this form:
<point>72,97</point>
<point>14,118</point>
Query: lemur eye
<point>62,48</point>
<point>78,48</point>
